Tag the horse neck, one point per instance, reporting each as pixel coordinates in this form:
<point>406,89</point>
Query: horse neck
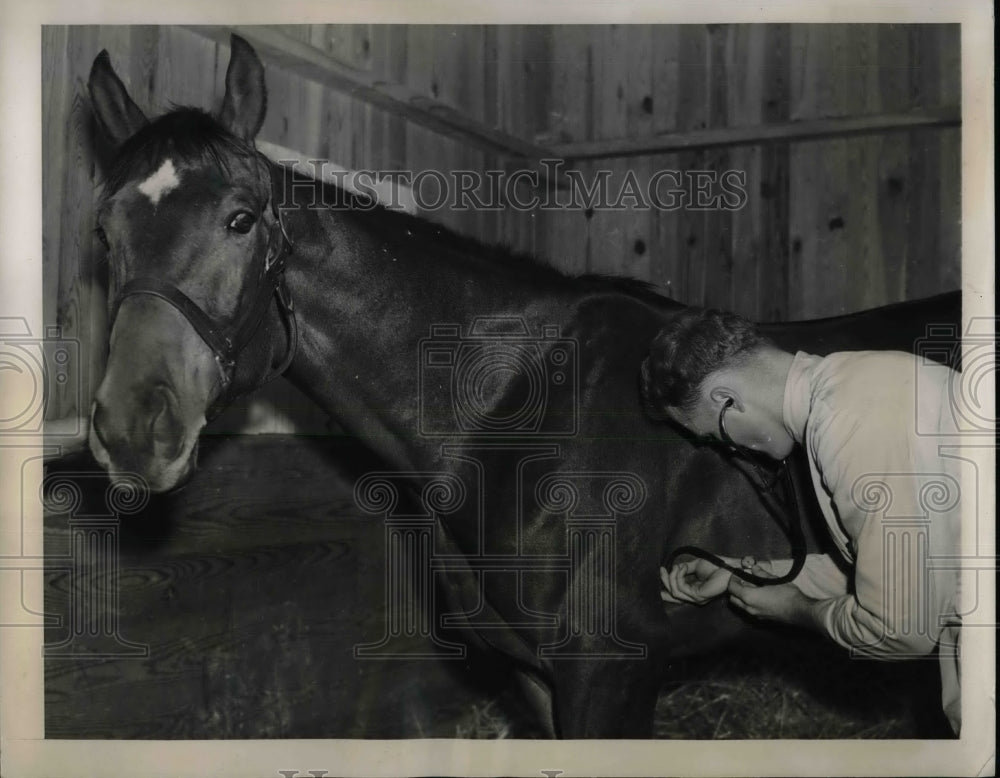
<point>364,299</point>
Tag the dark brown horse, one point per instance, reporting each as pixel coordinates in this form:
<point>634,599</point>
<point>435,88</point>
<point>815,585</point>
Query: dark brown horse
<point>510,381</point>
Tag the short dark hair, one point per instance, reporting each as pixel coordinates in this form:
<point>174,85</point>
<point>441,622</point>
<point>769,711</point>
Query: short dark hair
<point>694,344</point>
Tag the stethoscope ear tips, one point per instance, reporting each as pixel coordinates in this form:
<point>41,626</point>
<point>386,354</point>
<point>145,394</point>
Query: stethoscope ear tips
<point>723,434</point>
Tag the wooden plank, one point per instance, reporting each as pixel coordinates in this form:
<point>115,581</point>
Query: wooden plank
<point>692,115</point>
<point>389,62</point>
<point>420,141</point>
<point>797,130</point>
<point>359,47</point>
<point>347,44</point>
<point>418,107</point>
<point>804,181</point>
<point>827,285</point>
<point>508,43</point>
<point>666,268</point>
<point>57,95</point>
<point>490,221</point>
<point>950,167</point>
<point>190,70</point>
<point>428,154</point>
<point>143,64</point>
<point>516,228</point>
<point>537,53</point>
<point>454,68</point>
<point>923,193</point>
<point>637,220</point>
<point>718,289</point>
<point>820,186</point>
<point>773,190</point>
<point>310,118</point>
<point>894,187</point>
<point>336,140</point>
<point>745,63</point>
<point>866,251</point>
<point>299,32</point>
<point>609,228</point>
<point>567,227</point>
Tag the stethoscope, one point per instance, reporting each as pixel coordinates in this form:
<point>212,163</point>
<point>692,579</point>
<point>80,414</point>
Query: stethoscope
<point>791,523</point>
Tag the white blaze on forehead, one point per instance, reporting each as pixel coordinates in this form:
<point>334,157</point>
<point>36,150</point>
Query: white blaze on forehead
<point>161,182</point>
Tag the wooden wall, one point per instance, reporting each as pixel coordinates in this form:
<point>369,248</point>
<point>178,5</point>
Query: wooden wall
<point>829,226</point>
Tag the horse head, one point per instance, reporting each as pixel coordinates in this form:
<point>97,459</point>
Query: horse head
<point>195,250</point>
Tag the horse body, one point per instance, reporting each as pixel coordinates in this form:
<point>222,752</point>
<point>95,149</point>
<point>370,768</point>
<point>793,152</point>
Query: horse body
<point>570,501</point>
<point>409,277</point>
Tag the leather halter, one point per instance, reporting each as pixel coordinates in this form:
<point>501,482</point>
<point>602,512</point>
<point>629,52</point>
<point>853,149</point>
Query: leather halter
<point>228,339</point>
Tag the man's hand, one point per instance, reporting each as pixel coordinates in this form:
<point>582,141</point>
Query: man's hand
<point>694,582</point>
<point>785,603</point>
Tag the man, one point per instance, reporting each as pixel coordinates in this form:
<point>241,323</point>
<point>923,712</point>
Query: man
<point>889,497</point>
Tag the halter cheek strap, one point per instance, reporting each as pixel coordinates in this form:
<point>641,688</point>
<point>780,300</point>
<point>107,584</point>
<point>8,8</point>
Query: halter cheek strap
<point>215,338</point>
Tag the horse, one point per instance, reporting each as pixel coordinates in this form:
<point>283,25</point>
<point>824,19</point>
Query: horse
<point>500,394</point>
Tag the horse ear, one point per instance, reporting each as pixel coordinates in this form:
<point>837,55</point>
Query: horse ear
<point>245,103</point>
<point>118,117</point>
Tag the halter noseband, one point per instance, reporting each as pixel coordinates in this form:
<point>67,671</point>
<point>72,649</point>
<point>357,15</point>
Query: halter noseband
<point>228,341</point>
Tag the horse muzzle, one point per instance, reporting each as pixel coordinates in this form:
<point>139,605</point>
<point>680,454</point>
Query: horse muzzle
<point>146,437</point>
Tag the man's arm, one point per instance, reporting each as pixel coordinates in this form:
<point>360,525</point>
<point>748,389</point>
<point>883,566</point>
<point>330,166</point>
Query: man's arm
<point>868,461</point>
<point>785,603</point>
<point>699,581</point>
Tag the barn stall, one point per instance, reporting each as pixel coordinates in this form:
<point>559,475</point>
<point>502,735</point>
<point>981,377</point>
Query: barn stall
<point>241,599</point>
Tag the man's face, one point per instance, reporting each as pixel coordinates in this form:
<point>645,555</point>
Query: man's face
<point>702,421</point>
<point>746,423</point>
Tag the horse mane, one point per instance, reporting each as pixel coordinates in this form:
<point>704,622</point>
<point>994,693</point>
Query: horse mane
<point>361,208</point>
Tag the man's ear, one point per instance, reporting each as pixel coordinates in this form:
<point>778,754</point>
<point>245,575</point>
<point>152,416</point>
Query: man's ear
<point>726,394</point>
<point>245,103</point>
<point>118,117</point>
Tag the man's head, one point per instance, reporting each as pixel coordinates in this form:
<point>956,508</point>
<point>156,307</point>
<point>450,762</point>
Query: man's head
<point>705,360</point>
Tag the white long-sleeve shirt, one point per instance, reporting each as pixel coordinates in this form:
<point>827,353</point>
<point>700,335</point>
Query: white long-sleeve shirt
<point>871,423</point>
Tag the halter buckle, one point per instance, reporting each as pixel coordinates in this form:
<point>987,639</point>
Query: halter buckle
<point>225,369</point>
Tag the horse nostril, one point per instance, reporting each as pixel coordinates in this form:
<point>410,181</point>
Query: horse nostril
<point>166,432</point>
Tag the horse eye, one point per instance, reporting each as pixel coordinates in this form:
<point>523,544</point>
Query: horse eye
<point>102,236</point>
<point>241,222</point>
